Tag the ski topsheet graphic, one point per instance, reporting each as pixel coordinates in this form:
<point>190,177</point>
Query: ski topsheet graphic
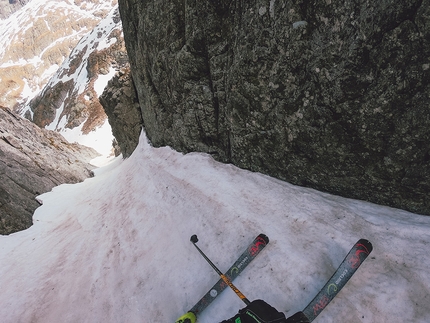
<point>344,272</point>
<point>358,253</point>
<point>247,256</point>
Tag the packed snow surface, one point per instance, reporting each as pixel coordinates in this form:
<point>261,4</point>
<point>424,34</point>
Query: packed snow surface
<point>116,248</point>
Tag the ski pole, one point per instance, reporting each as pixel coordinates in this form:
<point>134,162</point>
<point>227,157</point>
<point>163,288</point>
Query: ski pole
<point>194,240</point>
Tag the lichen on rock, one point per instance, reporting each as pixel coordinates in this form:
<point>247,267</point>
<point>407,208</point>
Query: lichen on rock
<point>339,103</point>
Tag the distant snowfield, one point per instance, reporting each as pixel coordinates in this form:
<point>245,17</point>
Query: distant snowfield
<point>13,29</point>
<point>100,139</point>
<point>116,247</point>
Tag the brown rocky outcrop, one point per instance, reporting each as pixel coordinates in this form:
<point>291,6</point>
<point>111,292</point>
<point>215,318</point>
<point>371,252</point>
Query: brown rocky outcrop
<point>32,162</point>
<point>72,91</point>
<point>29,56</point>
<point>329,94</point>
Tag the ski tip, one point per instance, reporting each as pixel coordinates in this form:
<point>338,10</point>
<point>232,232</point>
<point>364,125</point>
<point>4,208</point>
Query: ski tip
<point>188,317</point>
<point>365,243</point>
<point>264,237</point>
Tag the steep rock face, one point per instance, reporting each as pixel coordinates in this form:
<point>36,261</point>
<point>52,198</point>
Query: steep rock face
<point>121,105</point>
<point>32,162</point>
<point>329,94</point>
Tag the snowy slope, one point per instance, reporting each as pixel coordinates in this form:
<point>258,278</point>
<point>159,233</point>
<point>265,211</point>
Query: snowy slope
<point>97,40</point>
<point>34,52</point>
<point>116,247</point>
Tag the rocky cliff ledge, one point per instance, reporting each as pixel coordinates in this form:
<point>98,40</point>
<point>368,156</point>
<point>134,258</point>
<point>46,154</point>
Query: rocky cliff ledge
<point>119,101</point>
<point>329,94</point>
<point>71,97</point>
<point>32,162</point>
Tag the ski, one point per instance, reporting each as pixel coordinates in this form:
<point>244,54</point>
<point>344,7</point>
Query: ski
<point>244,259</point>
<point>344,272</point>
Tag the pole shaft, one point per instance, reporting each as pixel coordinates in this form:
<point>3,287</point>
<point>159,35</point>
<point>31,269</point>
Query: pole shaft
<point>223,277</point>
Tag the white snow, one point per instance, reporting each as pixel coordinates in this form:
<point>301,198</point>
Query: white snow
<point>102,80</point>
<point>100,139</point>
<point>116,247</point>
<point>96,39</point>
<point>106,43</point>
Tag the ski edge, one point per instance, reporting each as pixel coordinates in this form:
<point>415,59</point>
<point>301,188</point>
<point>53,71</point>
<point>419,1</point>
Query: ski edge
<point>347,268</point>
<point>253,249</point>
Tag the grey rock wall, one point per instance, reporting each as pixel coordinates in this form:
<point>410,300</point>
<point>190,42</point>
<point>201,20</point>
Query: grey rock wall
<point>119,101</point>
<point>32,162</point>
<point>329,94</point>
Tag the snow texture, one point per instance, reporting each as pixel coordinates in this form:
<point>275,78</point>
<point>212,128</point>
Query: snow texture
<point>116,247</point>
